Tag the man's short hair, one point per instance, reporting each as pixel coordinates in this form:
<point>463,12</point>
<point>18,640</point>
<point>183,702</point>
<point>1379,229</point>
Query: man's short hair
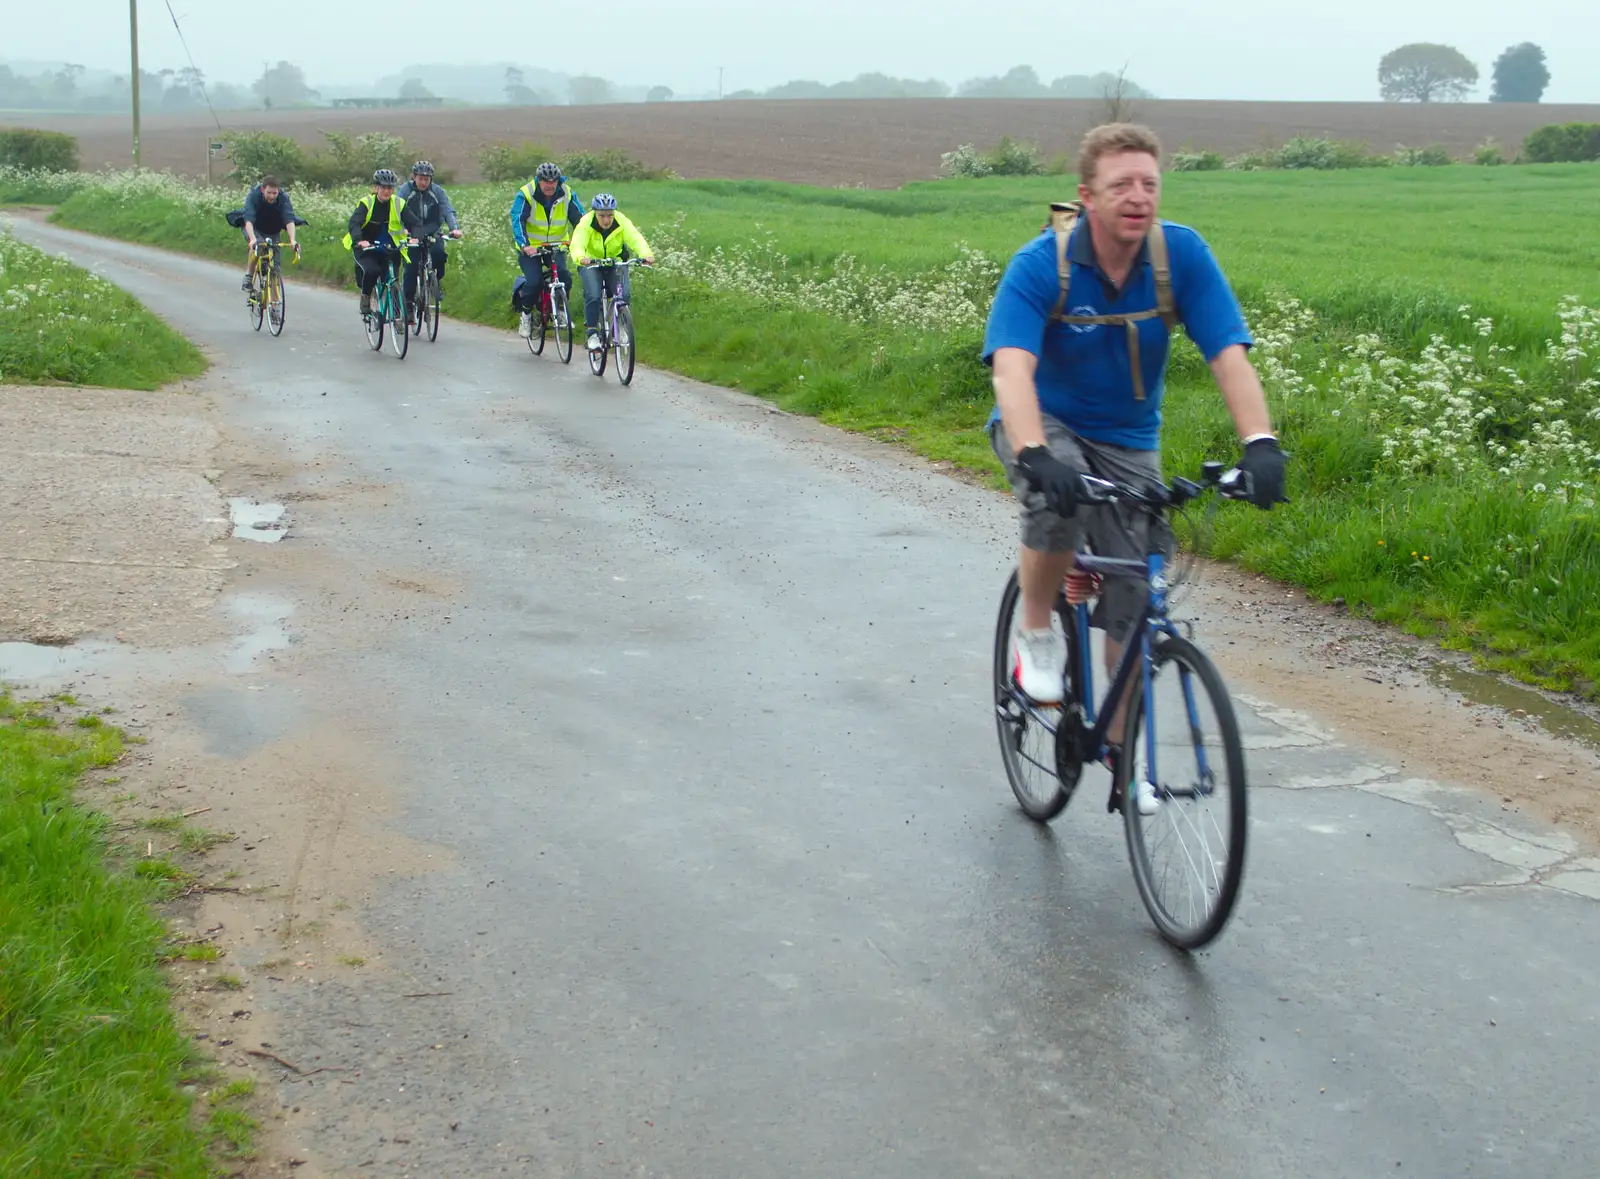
<point>270,182</point>
<point>1110,139</point>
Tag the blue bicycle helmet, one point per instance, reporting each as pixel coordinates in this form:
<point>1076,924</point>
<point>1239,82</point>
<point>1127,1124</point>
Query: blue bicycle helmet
<point>603,202</point>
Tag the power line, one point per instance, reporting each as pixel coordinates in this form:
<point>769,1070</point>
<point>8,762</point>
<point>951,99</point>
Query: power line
<point>199,80</point>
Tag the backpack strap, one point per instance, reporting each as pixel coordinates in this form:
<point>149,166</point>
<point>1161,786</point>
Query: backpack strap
<point>1161,264</point>
<point>1063,217</point>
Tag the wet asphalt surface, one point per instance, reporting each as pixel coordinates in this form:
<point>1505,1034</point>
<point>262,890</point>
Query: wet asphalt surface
<point>737,887</point>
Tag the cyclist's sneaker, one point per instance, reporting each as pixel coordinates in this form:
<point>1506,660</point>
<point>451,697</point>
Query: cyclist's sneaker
<point>245,285</point>
<point>1149,801</point>
<point>525,328</point>
<point>366,305</point>
<point>594,341</point>
<point>1041,664</point>
<point>439,288</point>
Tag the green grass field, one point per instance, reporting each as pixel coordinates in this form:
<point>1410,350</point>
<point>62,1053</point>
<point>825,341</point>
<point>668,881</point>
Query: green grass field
<point>1476,453</point>
<point>90,1059</point>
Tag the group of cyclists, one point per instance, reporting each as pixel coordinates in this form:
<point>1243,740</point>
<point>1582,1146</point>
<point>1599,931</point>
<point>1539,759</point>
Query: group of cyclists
<point>395,223</point>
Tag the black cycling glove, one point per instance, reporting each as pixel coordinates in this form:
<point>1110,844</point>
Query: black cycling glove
<point>1057,480</point>
<point>1264,462</point>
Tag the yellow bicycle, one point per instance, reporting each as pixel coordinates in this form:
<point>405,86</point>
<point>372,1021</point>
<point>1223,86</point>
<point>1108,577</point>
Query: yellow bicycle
<point>265,302</point>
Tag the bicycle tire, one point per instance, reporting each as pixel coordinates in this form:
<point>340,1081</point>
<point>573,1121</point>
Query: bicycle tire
<point>1192,934</point>
<point>374,322</point>
<point>277,304</point>
<point>624,344</point>
<point>430,305</point>
<point>1043,801</point>
<point>561,313</point>
<point>537,333</point>
<point>400,330</point>
<point>258,301</point>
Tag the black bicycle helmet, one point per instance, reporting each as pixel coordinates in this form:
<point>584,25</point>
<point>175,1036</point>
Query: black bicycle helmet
<point>422,168</point>
<point>547,171</point>
<point>386,177</point>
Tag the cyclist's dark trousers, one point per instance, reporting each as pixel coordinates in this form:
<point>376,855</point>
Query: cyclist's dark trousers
<point>612,280</point>
<point>414,267</point>
<point>533,271</point>
<point>370,265</point>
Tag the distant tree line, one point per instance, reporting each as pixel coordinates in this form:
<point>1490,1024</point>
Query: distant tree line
<point>1426,72</point>
<point>1020,82</point>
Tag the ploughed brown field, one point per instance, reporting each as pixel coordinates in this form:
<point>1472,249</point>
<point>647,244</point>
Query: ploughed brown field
<point>879,143</point>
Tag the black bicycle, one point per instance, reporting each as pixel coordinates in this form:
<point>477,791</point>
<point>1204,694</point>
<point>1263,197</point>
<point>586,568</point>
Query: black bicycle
<point>426,310</point>
<point>1180,778</point>
<point>616,325</point>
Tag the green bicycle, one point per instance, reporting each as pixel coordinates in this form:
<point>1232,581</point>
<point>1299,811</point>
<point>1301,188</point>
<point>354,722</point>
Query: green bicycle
<point>388,312</point>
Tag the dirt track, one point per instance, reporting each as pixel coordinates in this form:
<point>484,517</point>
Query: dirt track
<point>876,143</point>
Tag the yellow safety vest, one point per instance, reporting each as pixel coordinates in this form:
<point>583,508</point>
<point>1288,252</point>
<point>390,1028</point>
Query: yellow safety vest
<point>397,230</point>
<point>546,227</point>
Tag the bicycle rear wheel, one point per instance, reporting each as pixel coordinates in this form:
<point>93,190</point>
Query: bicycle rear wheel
<point>275,302</point>
<point>375,320</point>
<point>598,356</point>
<point>540,330</point>
<point>1041,759</point>
<point>624,344</point>
<point>562,327</point>
<point>1188,855</point>
<point>257,306</point>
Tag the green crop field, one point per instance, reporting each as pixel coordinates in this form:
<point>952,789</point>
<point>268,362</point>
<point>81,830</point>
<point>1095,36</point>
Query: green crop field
<point>1428,337</point>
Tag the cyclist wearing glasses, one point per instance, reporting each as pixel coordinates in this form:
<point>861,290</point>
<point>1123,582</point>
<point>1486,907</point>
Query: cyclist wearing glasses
<point>542,215</point>
<point>434,211</point>
<point>1069,399</point>
<point>381,227</point>
<point>267,213</point>
<point>605,233</point>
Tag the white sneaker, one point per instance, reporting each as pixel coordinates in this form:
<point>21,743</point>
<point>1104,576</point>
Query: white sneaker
<point>1041,664</point>
<point>525,328</point>
<point>1145,793</point>
<point>594,341</point>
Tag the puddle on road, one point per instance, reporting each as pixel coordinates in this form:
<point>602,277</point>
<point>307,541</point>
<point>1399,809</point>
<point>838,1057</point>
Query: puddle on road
<point>259,522</point>
<point>269,633</point>
<point>1558,720</point>
<point>37,661</point>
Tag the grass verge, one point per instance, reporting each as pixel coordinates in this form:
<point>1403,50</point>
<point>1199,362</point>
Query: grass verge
<point>90,1057</point>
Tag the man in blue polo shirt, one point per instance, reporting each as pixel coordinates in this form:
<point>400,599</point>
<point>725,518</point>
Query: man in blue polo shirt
<point>1070,400</point>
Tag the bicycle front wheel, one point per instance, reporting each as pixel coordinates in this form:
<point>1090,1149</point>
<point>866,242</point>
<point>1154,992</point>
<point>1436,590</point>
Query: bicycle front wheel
<point>275,303</point>
<point>430,306</point>
<point>624,343</point>
<point>400,327</point>
<point>1185,815</point>
<point>561,313</point>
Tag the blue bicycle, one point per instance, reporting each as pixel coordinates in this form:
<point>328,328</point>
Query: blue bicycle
<point>1179,780</point>
<point>388,306</point>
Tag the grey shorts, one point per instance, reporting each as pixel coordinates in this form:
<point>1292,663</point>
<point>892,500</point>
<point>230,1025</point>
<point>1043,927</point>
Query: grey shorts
<point>1112,530</point>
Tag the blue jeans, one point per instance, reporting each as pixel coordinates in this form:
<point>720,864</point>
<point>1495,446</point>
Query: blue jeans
<point>599,280</point>
<point>533,270</point>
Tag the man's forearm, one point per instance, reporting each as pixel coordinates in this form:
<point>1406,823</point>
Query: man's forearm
<point>1241,389</point>
<point>1018,397</point>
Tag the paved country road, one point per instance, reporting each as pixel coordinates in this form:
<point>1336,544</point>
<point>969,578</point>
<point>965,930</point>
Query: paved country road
<point>687,702</point>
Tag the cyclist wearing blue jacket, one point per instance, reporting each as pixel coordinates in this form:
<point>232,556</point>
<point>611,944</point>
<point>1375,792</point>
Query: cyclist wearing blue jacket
<point>542,215</point>
<point>1071,398</point>
<point>267,213</point>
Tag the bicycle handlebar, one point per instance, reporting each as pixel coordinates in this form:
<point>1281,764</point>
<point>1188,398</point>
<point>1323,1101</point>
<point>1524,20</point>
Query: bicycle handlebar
<point>1230,483</point>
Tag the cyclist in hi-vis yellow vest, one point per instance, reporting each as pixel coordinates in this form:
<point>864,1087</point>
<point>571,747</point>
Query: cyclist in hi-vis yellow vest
<point>380,228</point>
<point>604,233</point>
<point>542,216</point>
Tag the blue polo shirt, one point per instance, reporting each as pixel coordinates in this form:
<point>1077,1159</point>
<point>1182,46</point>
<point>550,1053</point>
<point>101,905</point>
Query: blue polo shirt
<point>1084,376</point>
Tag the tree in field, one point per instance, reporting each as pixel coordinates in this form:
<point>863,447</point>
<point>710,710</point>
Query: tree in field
<point>283,85</point>
<point>1422,72</point>
<point>414,88</point>
<point>1520,74</point>
<point>587,90</point>
<point>1019,82</point>
<point>659,94</point>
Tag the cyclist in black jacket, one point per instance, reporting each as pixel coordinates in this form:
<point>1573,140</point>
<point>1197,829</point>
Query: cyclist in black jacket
<point>267,213</point>
<point>434,212</point>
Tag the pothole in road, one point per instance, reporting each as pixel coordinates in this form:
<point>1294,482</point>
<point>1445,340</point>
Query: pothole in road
<point>28,662</point>
<point>258,522</point>
<point>268,631</point>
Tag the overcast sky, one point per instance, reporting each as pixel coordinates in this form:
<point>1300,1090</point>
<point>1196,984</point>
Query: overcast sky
<point>1260,49</point>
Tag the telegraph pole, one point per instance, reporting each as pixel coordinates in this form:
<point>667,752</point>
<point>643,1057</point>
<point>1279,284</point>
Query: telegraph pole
<point>133,40</point>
